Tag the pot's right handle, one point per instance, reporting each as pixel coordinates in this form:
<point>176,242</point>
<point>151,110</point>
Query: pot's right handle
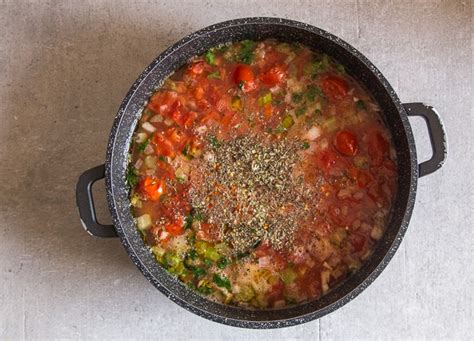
<point>85,203</point>
<point>436,133</point>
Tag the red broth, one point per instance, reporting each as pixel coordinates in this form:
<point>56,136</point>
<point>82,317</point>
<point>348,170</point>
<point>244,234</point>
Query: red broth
<point>261,174</point>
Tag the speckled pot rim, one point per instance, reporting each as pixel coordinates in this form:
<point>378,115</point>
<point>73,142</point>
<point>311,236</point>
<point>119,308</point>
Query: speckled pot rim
<point>119,205</point>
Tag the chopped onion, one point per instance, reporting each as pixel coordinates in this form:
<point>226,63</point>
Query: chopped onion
<point>376,232</point>
<point>201,130</point>
<point>148,127</point>
<point>264,261</point>
<point>313,133</point>
<point>358,195</point>
<point>325,280</point>
<point>181,175</point>
<point>324,144</point>
<point>144,222</point>
<point>156,118</point>
<point>344,193</point>
<point>150,162</point>
<point>169,122</point>
<point>141,137</point>
<point>148,149</point>
<point>138,164</point>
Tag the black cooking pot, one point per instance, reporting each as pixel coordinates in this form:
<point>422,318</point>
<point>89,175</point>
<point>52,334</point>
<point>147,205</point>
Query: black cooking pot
<point>394,114</point>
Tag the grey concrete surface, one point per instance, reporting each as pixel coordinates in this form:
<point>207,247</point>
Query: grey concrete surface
<point>65,67</point>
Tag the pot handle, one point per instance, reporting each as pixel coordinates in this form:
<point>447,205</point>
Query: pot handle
<point>436,133</point>
<point>85,204</point>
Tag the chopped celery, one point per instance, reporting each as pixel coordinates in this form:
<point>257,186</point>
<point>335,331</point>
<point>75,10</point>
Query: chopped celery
<point>288,276</point>
<point>172,259</point>
<point>265,99</point>
<point>214,75</point>
<point>210,57</point>
<point>246,293</point>
<point>330,124</point>
<point>287,122</point>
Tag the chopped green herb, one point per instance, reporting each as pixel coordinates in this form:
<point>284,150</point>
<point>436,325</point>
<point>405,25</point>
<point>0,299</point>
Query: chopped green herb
<point>297,97</point>
<point>312,92</point>
<point>208,262</point>
<point>360,105</point>
<point>185,150</point>
<point>222,263</point>
<point>192,254</point>
<point>162,158</point>
<point>221,282</point>
<point>214,75</point>
<point>241,85</point>
<point>300,111</point>
<point>246,52</point>
<point>317,66</point>
<point>143,145</point>
<point>198,272</point>
<point>305,145</point>
<point>210,57</point>
<point>213,141</point>
<point>131,176</point>
<point>191,239</point>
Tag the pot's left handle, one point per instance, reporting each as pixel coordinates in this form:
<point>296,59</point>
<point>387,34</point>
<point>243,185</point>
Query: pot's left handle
<point>85,203</point>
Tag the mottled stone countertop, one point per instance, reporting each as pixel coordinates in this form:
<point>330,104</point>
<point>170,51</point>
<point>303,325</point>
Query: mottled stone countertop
<point>65,67</point>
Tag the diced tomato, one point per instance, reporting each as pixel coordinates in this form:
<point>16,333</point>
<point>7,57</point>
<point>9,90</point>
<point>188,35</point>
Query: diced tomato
<point>276,293</point>
<point>274,76</point>
<point>326,160</point>
<point>152,188</point>
<point>268,110</point>
<point>243,76</point>
<point>363,179</point>
<point>346,143</point>
<point>199,92</point>
<point>197,68</point>
<point>334,87</point>
<point>175,228</point>
<point>264,249</point>
<point>164,147</point>
<point>357,242</point>
<point>163,101</point>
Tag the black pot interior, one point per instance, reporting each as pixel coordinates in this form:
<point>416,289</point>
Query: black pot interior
<point>257,29</point>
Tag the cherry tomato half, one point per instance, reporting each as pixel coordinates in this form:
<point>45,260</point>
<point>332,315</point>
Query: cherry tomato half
<point>346,143</point>
<point>334,87</point>
<point>244,77</point>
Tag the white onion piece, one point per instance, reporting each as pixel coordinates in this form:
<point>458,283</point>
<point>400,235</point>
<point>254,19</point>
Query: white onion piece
<point>376,232</point>
<point>148,127</point>
<point>201,130</point>
<point>141,137</point>
<point>156,118</point>
<point>148,149</point>
<point>169,122</point>
<point>313,133</point>
<point>150,162</point>
<point>144,222</point>
<point>264,261</point>
<point>324,144</point>
<point>138,164</point>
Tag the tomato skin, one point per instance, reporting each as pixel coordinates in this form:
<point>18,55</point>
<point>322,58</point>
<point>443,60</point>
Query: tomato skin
<point>243,74</point>
<point>274,76</point>
<point>346,143</point>
<point>176,228</point>
<point>334,87</point>
<point>152,188</point>
<point>327,159</point>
